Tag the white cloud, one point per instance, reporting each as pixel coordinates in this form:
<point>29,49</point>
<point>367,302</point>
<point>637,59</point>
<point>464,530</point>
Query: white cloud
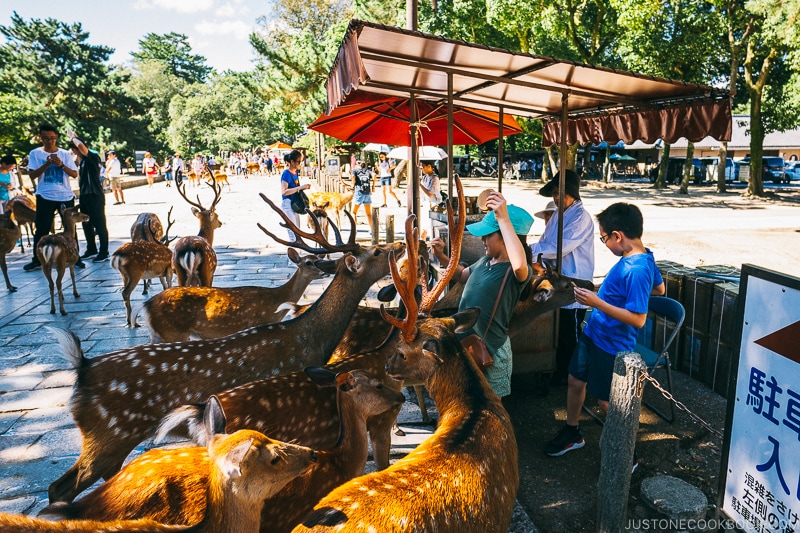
<point>237,8</point>
<point>179,6</point>
<point>234,28</point>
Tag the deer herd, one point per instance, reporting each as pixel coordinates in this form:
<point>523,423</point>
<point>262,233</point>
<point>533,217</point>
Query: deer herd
<point>229,371</point>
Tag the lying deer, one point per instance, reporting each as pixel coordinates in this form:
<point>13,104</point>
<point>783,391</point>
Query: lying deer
<point>9,235</point>
<point>60,251</point>
<point>357,396</point>
<point>181,313</point>
<point>23,209</point>
<point>193,258</point>
<point>238,471</point>
<point>120,397</point>
<point>145,260</point>
<point>464,477</point>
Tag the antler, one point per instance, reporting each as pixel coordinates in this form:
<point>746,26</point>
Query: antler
<point>317,236</point>
<point>406,288</point>
<point>213,185</point>
<point>456,232</point>
<point>166,240</point>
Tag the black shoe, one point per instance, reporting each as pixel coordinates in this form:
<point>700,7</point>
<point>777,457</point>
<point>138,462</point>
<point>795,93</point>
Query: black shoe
<point>384,205</point>
<point>569,438</point>
<point>80,264</point>
<point>117,203</point>
<point>100,258</point>
<point>87,254</point>
<point>399,204</point>
<point>33,265</point>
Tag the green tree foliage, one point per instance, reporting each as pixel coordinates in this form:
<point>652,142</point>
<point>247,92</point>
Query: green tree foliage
<point>51,73</point>
<point>174,52</point>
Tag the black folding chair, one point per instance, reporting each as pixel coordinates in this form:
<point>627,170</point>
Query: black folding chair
<point>655,341</point>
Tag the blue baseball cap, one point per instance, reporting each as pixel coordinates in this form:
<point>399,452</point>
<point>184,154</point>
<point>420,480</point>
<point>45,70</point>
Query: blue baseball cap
<point>521,220</point>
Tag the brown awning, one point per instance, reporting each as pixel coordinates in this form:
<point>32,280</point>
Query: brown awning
<point>601,104</point>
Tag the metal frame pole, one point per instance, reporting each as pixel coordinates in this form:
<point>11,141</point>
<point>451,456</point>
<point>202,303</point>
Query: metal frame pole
<point>562,172</point>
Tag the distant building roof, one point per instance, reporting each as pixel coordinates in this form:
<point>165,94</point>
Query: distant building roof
<point>740,138</point>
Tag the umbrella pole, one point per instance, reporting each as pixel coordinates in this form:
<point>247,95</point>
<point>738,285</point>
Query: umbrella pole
<point>562,171</point>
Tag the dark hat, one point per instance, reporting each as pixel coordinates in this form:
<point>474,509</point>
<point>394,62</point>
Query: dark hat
<point>112,152</point>
<point>572,185</point>
<point>428,162</point>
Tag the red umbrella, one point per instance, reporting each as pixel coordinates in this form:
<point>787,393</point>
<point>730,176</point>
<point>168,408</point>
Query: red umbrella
<point>368,118</point>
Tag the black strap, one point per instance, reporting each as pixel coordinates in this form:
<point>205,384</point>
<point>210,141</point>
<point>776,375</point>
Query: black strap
<point>497,302</point>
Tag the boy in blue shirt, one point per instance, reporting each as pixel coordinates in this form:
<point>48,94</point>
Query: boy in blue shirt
<point>619,310</point>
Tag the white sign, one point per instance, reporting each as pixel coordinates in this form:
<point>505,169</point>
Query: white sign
<point>762,477</point>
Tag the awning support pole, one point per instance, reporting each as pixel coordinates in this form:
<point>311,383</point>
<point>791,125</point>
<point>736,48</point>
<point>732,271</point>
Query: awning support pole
<point>500,140</point>
<point>450,165</point>
<point>562,172</point>
<point>413,206</point>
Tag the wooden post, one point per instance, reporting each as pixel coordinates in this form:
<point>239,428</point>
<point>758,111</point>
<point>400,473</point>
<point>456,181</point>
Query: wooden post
<point>617,442</point>
<point>375,225</point>
<point>389,228</point>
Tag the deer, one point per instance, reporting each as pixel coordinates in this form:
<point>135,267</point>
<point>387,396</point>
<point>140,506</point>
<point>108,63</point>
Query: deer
<point>331,202</point>
<point>145,260</point>
<point>239,472</point>
<point>358,395</point>
<point>193,258</point>
<point>9,235</point>
<point>222,179</point>
<point>120,397</point>
<point>464,477</point>
<point>147,227</point>
<point>23,209</point>
<point>181,313</point>
<point>60,251</point>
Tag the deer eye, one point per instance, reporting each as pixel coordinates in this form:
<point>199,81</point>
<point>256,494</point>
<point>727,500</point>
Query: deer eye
<point>275,460</point>
<point>379,386</point>
<point>376,253</point>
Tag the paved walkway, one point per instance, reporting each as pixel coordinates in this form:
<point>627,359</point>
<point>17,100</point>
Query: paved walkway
<point>38,439</point>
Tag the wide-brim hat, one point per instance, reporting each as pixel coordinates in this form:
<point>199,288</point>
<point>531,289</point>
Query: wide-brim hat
<point>520,219</point>
<point>549,208</point>
<point>572,185</point>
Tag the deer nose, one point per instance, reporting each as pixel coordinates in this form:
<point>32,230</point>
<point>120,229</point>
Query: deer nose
<point>314,456</point>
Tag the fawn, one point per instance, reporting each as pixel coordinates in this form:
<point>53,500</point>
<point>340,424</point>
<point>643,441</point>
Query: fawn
<point>9,235</point>
<point>120,397</point>
<point>60,251</point>
<point>239,471</point>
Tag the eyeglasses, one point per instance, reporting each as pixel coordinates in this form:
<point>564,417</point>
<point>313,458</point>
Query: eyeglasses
<point>604,238</point>
<point>49,138</point>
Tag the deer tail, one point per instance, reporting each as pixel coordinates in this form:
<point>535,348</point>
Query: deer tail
<point>115,261</point>
<point>70,346</point>
<point>190,262</point>
<point>49,252</point>
<point>192,415</point>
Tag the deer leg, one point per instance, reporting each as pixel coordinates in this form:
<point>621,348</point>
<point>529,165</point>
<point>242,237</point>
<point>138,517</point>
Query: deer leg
<point>3,265</point>
<point>86,470</point>
<point>380,433</point>
<point>146,285</point>
<point>49,276</point>
<point>130,284</point>
<point>74,286</point>
<point>60,277</point>
<point>421,400</point>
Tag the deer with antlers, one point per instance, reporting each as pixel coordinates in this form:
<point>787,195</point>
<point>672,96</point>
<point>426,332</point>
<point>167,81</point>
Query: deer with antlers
<point>9,235</point>
<point>193,258</point>
<point>120,397</point>
<point>60,251</point>
<point>358,396</point>
<point>182,313</point>
<point>145,260</point>
<point>464,477</point>
<point>228,482</point>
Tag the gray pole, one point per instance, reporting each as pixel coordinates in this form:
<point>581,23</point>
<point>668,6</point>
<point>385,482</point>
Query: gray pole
<point>617,442</point>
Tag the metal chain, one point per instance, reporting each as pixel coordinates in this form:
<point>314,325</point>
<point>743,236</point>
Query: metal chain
<point>645,376</point>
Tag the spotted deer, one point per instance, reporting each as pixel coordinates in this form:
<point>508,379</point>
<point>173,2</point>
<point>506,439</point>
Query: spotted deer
<point>145,260</point>
<point>222,179</point>
<point>239,472</point>
<point>331,202</point>
<point>23,209</point>
<point>464,477</point>
<point>182,313</point>
<point>9,235</point>
<point>357,396</point>
<point>147,227</point>
<point>60,251</point>
<point>120,397</point>
<point>193,258</point>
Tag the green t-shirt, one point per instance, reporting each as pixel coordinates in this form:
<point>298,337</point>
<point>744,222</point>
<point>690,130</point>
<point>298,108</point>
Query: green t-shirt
<point>481,290</point>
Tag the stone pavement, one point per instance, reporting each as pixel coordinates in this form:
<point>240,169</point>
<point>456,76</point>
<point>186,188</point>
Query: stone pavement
<point>38,439</point>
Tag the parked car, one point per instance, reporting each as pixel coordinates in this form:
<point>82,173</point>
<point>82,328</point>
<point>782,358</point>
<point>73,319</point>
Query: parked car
<point>792,171</point>
<point>773,169</point>
<point>675,170</point>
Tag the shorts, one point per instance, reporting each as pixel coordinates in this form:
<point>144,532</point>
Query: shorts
<point>361,198</point>
<point>116,183</point>
<point>594,366</point>
<point>386,181</point>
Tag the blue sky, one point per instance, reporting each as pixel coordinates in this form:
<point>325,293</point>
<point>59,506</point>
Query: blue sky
<point>217,29</point>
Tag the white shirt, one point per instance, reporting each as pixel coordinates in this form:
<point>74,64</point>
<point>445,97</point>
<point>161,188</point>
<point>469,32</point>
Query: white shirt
<point>577,251</point>
<point>113,168</point>
<point>53,184</point>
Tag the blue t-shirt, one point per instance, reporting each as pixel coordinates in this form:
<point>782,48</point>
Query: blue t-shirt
<point>291,179</point>
<point>628,285</point>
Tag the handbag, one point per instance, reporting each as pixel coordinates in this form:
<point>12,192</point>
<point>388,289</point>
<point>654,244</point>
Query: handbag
<point>474,344</point>
<point>299,202</point>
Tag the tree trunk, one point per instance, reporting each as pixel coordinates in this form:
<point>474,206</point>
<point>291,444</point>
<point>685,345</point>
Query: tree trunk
<point>553,163</point>
<point>688,169</point>
<point>663,167</point>
<point>607,164</point>
<point>756,185</point>
<point>617,442</point>
<point>572,156</point>
<point>722,167</point>
<point>587,161</point>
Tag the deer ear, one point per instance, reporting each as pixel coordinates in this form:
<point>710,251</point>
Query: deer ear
<point>321,376</point>
<point>465,319</point>
<point>352,263</point>
<point>232,463</point>
<point>195,211</point>
<point>214,418</point>
<point>431,353</point>
<point>387,293</point>
<point>327,266</point>
<point>294,257</point>
<point>345,381</point>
